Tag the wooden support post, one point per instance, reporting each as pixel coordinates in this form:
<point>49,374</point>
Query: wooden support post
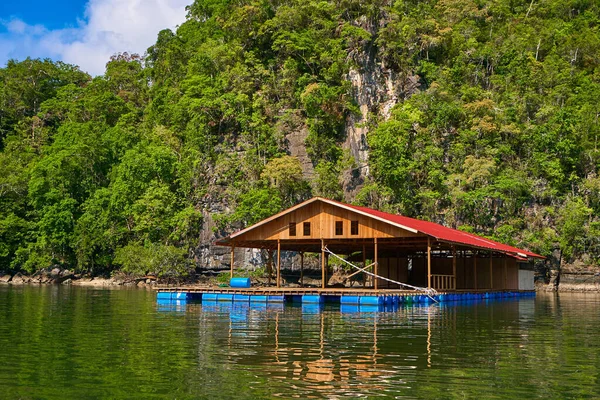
<point>475,270</point>
<point>326,267</point>
<point>375,285</point>
<point>232,259</point>
<point>454,266</point>
<point>301,269</point>
<point>428,263</point>
<point>491,271</point>
<point>364,264</point>
<point>322,264</point>
<point>269,264</point>
<point>278,263</point>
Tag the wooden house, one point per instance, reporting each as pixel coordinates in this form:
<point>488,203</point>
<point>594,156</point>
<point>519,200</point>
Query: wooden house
<point>403,252</point>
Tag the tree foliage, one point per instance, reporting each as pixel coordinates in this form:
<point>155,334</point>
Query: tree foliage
<point>495,128</point>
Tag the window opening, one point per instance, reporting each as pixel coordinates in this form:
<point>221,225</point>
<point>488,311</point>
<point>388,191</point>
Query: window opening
<point>339,227</point>
<point>354,227</point>
<point>306,228</point>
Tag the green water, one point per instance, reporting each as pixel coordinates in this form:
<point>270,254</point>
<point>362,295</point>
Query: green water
<point>63,342</point>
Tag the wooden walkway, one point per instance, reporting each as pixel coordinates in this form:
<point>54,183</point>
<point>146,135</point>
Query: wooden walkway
<point>288,291</point>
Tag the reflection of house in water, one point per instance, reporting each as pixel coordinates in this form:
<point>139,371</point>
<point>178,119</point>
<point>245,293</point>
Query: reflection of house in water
<point>358,352</point>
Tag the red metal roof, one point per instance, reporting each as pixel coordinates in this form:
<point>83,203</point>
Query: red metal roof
<point>441,232</point>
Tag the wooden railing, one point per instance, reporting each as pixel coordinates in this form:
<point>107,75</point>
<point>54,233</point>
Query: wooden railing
<point>443,282</point>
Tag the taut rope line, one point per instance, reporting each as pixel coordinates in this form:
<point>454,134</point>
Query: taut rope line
<point>429,292</point>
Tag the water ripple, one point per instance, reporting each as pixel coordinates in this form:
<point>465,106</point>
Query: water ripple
<point>84,343</point>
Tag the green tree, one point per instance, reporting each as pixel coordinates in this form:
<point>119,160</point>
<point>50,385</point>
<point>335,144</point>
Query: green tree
<point>285,175</point>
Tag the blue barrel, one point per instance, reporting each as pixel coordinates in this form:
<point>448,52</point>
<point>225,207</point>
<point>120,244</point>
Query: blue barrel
<point>371,300</point>
<point>179,296</point>
<point>258,299</point>
<point>209,297</point>
<point>349,300</point>
<point>224,297</point>
<point>163,296</point>
<point>239,282</point>
<point>311,299</point>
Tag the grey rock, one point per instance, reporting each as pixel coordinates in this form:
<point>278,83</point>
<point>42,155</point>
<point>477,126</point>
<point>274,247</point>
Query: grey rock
<point>5,278</point>
<point>19,279</point>
<point>55,272</point>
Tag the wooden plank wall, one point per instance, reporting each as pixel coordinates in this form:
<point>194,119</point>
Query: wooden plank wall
<point>465,277</point>
<point>441,266</point>
<point>397,269</point>
<point>393,268</point>
<point>367,227</point>
<point>498,277</point>
<point>322,218</point>
<point>513,275</point>
<point>483,273</point>
<point>461,276</point>
<point>418,275</point>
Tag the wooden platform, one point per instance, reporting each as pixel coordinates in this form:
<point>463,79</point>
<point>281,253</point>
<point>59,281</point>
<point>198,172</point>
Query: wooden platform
<point>271,291</point>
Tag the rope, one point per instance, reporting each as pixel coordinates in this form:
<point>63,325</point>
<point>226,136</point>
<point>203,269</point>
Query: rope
<point>359,270</point>
<point>428,291</point>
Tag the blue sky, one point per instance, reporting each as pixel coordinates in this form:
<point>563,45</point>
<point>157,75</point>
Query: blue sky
<point>51,14</point>
<point>83,32</point>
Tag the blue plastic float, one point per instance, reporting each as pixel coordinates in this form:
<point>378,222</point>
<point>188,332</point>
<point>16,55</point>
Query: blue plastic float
<point>240,282</point>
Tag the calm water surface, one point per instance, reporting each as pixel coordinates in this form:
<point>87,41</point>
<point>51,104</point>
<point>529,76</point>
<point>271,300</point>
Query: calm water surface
<point>68,342</point>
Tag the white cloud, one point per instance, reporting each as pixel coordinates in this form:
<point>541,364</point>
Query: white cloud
<point>16,26</point>
<point>109,27</point>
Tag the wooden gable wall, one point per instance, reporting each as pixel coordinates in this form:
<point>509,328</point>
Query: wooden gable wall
<point>322,218</point>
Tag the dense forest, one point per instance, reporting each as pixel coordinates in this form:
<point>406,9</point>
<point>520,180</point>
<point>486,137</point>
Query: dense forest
<point>491,125</point>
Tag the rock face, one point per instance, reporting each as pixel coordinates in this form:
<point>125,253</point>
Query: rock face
<point>295,141</point>
<point>5,278</point>
<point>576,278</point>
<point>375,89</point>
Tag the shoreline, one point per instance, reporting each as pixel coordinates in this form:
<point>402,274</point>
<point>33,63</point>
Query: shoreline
<point>57,276</point>
<point>149,283</point>
<point>570,288</point>
<point>19,280</point>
